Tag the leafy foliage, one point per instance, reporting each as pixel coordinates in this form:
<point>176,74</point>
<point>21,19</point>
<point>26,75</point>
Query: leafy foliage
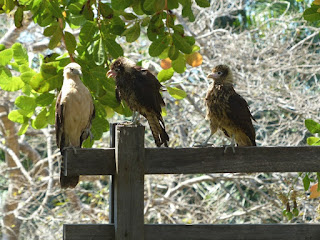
<point>100,25</point>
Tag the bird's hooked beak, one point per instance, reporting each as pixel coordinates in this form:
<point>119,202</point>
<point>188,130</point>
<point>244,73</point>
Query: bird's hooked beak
<point>79,72</point>
<point>111,74</point>
<point>213,75</point>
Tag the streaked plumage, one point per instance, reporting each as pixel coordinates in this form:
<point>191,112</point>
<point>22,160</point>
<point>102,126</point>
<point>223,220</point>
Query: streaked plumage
<point>141,91</point>
<point>227,110</point>
<point>74,113</point>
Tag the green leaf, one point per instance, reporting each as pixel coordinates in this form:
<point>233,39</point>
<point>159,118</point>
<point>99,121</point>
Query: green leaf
<point>318,178</point>
<point>306,182</point>
<point>132,33</point>
<point>99,53</point>
<point>18,17</point>
<point>120,4</point>
<point>11,84</point>
<point>113,48</point>
<point>179,65</point>
<point>20,55</point>
<point>172,4</point>
<point>177,93</point>
<point>5,56</point>
<point>295,212</point>
<point>158,46</point>
<point>88,31</point>
<point>311,14</point>
<point>312,126</point>
<point>16,116</point>
<point>49,31</point>
<point>51,114</point>
<point>25,103</point>
<point>44,99</point>
<point>149,5</point>
<point>117,25</point>
<point>181,43</point>
<point>76,20</point>
<point>173,53</point>
<point>41,120</point>
<point>26,76</point>
<point>8,5</point>
<point>109,99</point>
<point>55,9</point>
<point>42,85</point>
<point>55,39</point>
<point>71,42</point>
<point>129,16</point>
<point>187,11</point>
<point>165,75</point>
<point>105,10</point>
<point>313,141</point>
<point>23,128</point>
<point>203,3</point>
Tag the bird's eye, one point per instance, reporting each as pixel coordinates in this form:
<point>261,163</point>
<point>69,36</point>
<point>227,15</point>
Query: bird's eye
<point>71,69</point>
<point>219,73</point>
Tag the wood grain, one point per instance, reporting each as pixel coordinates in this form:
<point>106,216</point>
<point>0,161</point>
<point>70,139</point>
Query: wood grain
<point>90,161</point>
<point>201,160</point>
<point>200,232</point>
<point>129,183</point>
<point>245,160</point>
<point>88,231</point>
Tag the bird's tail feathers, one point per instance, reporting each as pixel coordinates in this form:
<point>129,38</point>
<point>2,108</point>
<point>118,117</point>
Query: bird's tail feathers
<point>158,130</point>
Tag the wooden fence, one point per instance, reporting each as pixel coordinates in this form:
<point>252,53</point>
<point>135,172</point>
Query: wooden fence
<point>129,161</point>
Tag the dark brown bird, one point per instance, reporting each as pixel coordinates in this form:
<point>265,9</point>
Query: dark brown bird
<point>227,110</point>
<point>74,113</point>
<point>141,91</point>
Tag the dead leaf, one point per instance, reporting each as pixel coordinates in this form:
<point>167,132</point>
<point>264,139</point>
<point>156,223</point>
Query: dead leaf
<point>314,191</point>
<point>165,63</point>
<point>194,59</point>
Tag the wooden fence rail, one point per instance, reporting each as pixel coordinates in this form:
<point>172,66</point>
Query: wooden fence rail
<point>129,161</point>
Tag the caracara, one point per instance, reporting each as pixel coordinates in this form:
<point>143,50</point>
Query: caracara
<point>74,113</point>
<point>227,110</point>
<point>141,91</point>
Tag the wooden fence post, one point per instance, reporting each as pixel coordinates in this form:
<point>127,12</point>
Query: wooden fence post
<point>111,185</point>
<point>129,183</point>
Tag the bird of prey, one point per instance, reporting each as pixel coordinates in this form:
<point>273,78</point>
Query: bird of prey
<point>74,113</point>
<point>141,91</point>
<point>227,110</point>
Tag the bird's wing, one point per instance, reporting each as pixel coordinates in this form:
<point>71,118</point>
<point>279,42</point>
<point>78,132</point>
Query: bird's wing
<point>87,131</point>
<point>240,115</point>
<point>59,122</point>
<point>147,89</point>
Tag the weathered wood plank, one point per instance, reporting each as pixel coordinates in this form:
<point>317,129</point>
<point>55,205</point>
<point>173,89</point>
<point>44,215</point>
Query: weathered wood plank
<point>88,231</point>
<point>233,232</point>
<point>245,160</point>
<point>90,161</point>
<point>129,183</point>
<point>201,160</point>
<point>200,232</point>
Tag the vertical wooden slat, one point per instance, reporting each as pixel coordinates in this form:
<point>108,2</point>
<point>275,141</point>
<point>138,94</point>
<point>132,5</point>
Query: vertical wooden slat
<point>129,183</point>
<point>111,185</point>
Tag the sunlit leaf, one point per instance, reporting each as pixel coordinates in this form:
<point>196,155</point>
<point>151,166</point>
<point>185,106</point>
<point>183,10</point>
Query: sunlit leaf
<point>44,99</point>
<point>41,120</point>
<point>26,103</point>
<point>312,126</point>
<point>23,128</point>
<point>177,93</point>
<point>179,65</point>
<point>181,43</point>
<point>20,54</point>
<point>16,116</point>
<point>165,75</point>
<point>113,48</point>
